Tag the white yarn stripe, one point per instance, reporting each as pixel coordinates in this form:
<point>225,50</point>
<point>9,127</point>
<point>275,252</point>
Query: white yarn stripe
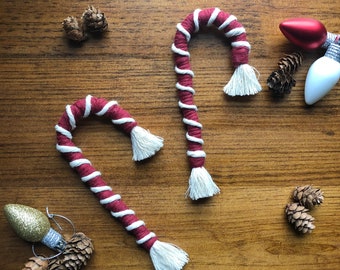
<point>213,16</point>
<point>179,51</point>
<point>187,106</point>
<point>68,149</point>
<point>196,22</point>
<point>235,32</point>
<point>100,189</point>
<point>192,123</point>
<point>135,225</point>
<point>241,44</point>
<point>63,131</point>
<point>87,106</point>
<point>193,139</point>
<point>110,199</point>
<point>185,88</point>
<point>70,115</point>
<point>227,22</point>
<point>146,238</point>
<point>107,107</point>
<point>123,120</point>
<point>184,71</point>
<point>196,154</point>
<point>78,162</point>
<point>184,32</point>
<point>122,213</point>
<point>90,176</point>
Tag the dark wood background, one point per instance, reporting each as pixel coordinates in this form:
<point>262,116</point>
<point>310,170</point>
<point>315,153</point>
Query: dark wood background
<point>258,148</point>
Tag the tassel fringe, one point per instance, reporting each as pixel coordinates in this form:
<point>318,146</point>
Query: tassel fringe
<point>201,185</point>
<point>166,256</point>
<point>243,82</point>
<point>144,144</point>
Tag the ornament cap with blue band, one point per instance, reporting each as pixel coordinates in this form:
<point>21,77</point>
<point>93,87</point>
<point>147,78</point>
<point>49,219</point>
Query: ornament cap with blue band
<point>54,240</point>
<point>333,52</point>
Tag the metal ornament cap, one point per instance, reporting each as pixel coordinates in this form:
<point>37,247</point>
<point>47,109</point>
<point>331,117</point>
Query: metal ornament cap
<point>29,223</point>
<point>307,33</point>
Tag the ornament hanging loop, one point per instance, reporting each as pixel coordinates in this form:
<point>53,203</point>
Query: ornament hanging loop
<point>52,217</point>
<point>45,258</point>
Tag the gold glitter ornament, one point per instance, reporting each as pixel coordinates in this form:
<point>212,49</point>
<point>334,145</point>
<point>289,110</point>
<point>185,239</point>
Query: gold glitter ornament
<point>29,223</point>
<point>33,226</point>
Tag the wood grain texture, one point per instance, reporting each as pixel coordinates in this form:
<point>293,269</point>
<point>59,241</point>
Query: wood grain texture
<point>258,149</point>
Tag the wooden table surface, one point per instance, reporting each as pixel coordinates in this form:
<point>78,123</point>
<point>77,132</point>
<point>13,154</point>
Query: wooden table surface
<point>258,148</point>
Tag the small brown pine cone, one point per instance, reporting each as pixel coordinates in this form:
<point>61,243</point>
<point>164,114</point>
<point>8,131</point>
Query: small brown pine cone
<point>290,62</point>
<point>78,250</point>
<point>298,216</point>
<point>280,82</point>
<point>35,263</point>
<point>94,20</point>
<point>308,196</point>
<point>73,29</point>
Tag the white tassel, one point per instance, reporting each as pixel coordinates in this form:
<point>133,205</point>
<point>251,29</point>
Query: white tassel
<point>144,144</point>
<point>243,82</point>
<point>166,256</point>
<point>201,185</point>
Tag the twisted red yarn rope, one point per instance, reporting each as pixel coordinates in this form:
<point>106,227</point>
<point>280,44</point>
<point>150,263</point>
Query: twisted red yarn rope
<point>110,200</point>
<point>236,34</point>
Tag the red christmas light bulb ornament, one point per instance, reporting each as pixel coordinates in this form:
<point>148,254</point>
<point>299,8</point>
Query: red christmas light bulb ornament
<point>307,33</point>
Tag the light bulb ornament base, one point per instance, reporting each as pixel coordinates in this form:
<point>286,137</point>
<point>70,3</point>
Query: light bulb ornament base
<point>331,39</point>
<point>53,239</point>
<point>333,52</point>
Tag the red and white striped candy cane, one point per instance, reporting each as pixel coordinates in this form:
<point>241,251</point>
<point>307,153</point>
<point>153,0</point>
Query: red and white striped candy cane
<point>243,82</point>
<point>144,144</point>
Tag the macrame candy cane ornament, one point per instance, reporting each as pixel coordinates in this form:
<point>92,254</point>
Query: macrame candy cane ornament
<point>243,82</point>
<point>144,144</point>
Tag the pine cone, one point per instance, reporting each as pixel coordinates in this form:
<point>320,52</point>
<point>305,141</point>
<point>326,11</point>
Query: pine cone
<point>291,62</point>
<point>299,217</point>
<point>308,196</point>
<point>74,30</point>
<point>95,20</point>
<point>78,250</point>
<point>280,82</point>
<point>35,263</point>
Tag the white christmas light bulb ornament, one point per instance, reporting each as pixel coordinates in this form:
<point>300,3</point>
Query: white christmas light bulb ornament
<point>323,74</point>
